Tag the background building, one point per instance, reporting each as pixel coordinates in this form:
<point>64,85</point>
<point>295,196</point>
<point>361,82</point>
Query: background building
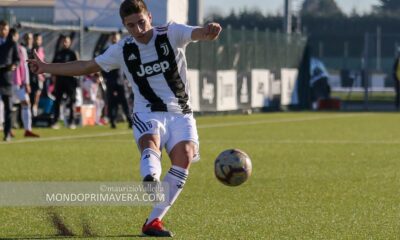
<point>100,13</point>
<point>27,10</point>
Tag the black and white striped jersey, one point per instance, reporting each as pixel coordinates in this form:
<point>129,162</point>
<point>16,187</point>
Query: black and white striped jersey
<point>157,70</point>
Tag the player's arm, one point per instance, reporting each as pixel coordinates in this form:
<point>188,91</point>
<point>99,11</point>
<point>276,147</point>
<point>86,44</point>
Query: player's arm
<point>75,68</point>
<point>209,32</point>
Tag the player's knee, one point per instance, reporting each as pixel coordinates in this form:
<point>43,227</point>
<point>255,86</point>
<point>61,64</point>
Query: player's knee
<point>182,156</point>
<point>149,141</point>
<point>185,159</point>
<point>188,154</point>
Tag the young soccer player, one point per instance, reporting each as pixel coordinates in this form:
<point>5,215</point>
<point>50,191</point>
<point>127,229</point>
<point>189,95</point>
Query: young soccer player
<point>153,59</point>
<point>21,85</point>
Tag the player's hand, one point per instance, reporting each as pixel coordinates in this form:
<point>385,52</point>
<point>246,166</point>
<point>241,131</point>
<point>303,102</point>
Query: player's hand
<point>12,67</point>
<point>28,88</point>
<point>36,65</point>
<point>212,31</point>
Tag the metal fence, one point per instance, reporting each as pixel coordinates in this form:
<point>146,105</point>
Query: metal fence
<point>245,49</point>
<point>240,50</point>
<point>366,82</point>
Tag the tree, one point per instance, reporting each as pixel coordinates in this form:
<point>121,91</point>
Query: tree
<point>320,8</point>
<point>388,6</point>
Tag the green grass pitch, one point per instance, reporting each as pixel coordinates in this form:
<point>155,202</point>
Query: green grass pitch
<point>315,176</point>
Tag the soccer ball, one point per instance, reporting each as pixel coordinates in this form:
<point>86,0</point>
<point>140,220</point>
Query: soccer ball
<point>232,167</point>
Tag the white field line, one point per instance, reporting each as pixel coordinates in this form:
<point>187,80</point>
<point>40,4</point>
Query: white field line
<point>280,141</point>
<point>206,126</point>
<point>289,141</point>
<point>231,124</point>
<point>49,139</point>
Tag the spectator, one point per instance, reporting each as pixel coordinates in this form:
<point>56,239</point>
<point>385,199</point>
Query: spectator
<point>65,85</point>
<point>92,94</point>
<point>116,90</point>
<point>9,60</point>
<point>21,85</point>
<point>396,77</point>
<point>37,80</point>
<point>1,114</point>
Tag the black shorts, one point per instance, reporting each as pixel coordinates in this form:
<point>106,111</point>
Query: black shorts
<point>66,86</point>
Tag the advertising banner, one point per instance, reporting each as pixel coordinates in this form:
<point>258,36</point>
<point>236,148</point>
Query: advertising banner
<point>226,90</point>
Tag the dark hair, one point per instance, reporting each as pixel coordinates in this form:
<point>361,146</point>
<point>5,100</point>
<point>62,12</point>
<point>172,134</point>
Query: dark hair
<point>12,33</point>
<point>3,23</point>
<point>26,35</point>
<point>129,7</point>
<point>36,35</point>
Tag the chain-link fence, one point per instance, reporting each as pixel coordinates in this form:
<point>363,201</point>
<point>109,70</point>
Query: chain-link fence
<point>245,49</point>
<point>241,50</point>
<point>365,82</point>
<point>254,60</point>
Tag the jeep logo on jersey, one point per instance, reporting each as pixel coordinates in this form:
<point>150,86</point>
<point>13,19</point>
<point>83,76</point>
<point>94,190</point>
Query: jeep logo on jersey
<point>152,68</point>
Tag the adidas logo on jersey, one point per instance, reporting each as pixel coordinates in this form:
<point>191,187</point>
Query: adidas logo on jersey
<point>153,68</point>
<point>132,57</point>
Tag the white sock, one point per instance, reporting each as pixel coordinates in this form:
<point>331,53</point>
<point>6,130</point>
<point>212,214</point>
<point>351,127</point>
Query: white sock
<point>176,179</point>
<point>99,108</point>
<point>150,163</point>
<point>35,110</point>
<point>27,117</point>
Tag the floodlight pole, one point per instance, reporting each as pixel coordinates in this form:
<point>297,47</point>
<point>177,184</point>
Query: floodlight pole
<point>378,47</point>
<point>81,33</point>
<point>365,68</point>
<point>287,23</point>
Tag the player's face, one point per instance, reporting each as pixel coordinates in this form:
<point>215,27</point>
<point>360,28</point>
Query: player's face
<point>4,30</point>
<point>38,40</point>
<point>67,42</point>
<point>16,37</point>
<point>115,38</point>
<point>139,26</point>
<point>28,39</point>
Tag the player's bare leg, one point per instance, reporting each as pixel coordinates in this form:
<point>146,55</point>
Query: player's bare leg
<point>35,106</point>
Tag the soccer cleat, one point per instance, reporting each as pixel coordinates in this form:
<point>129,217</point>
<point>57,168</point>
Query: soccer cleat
<point>150,183</point>
<point>55,126</point>
<point>30,134</point>
<point>7,138</point>
<point>150,178</point>
<point>156,229</point>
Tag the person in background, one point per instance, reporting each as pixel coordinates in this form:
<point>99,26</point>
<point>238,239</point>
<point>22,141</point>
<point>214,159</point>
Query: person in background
<point>65,84</point>
<point>37,80</point>
<point>9,60</point>
<point>115,83</point>
<point>21,85</point>
<point>91,89</point>
<point>1,114</point>
<point>396,78</point>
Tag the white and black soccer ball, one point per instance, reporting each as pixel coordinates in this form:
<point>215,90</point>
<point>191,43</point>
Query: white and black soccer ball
<point>232,167</point>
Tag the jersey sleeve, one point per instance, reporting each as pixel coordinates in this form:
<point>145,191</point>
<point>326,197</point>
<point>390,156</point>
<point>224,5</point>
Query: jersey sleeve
<point>181,34</point>
<point>110,59</point>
